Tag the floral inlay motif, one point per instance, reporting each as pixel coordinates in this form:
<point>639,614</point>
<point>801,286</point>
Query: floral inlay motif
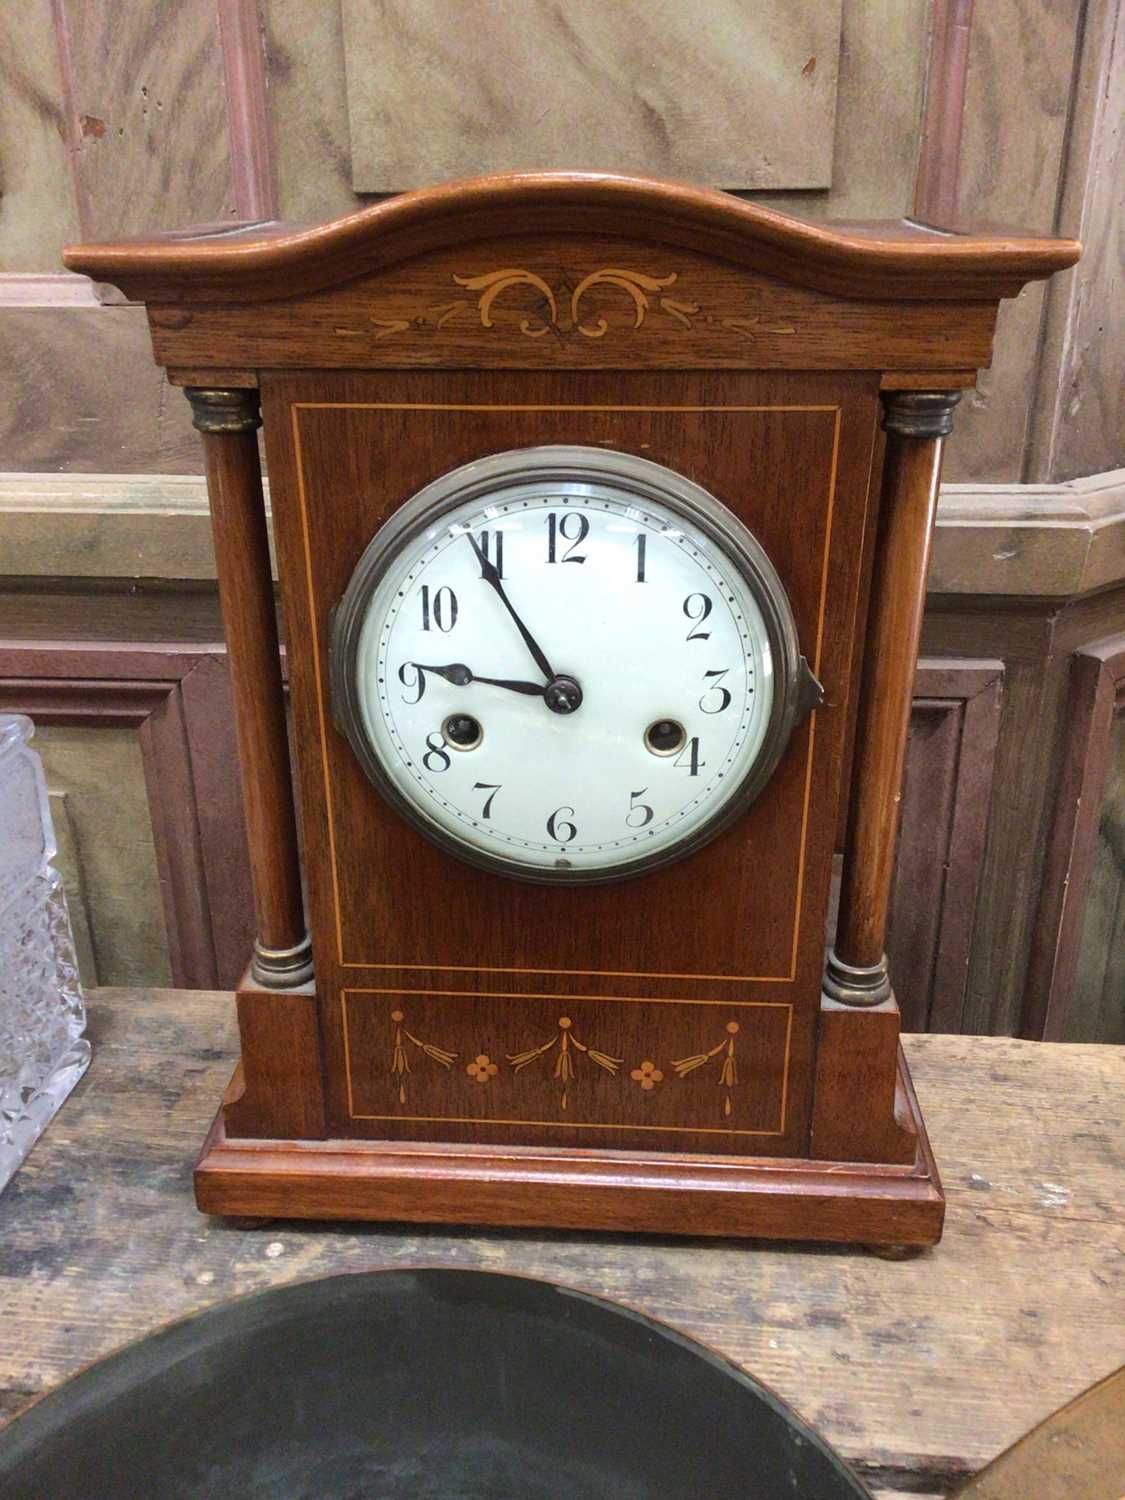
<point>482,1068</point>
<point>728,1074</point>
<point>648,1075</point>
<point>400,1061</point>
<point>568,1045</point>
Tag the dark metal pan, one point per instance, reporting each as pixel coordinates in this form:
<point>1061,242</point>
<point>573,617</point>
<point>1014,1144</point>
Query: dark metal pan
<point>415,1385</point>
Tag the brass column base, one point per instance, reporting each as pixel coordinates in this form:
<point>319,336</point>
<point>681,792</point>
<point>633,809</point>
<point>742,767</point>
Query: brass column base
<point>851,984</point>
<point>282,968</point>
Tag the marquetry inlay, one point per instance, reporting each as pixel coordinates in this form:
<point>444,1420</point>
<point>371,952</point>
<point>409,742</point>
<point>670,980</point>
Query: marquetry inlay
<point>566,310</point>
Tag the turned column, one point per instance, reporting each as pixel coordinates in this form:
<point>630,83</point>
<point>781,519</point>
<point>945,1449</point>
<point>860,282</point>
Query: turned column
<point>229,420</point>
<point>916,423</point>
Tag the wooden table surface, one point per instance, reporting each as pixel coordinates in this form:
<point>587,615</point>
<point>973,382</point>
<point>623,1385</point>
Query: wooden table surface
<point>917,1371</point>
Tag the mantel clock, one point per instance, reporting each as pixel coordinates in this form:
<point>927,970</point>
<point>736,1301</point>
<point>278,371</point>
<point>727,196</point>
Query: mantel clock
<point>602,509</point>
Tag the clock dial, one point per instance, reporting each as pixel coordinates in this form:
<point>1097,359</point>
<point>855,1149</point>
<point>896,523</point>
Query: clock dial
<point>563,664</point>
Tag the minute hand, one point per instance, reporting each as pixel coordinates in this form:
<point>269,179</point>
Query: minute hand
<point>492,577</point>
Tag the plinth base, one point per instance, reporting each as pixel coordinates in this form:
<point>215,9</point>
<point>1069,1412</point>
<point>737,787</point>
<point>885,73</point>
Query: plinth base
<point>549,1187</point>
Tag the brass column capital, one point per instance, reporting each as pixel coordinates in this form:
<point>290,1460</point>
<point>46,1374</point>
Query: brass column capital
<point>215,410</point>
<point>919,414</point>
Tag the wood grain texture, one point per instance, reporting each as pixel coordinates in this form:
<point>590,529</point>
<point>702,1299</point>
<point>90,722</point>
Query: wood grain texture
<point>133,613</point>
<point>882,71</point>
<point>39,215</point>
<point>1078,1453</point>
<point>875,261</point>
<point>1076,423</point>
<point>1095,1008</point>
<point>1035,641</point>
<point>1022,57</point>
<point>148,125</point>
<point>212,745</point>
<point>277,1083</point>
<point>937,186</point>
<point>946,796</point>
<point>248,127</point>
<point>238,519</point>
<point>582,303</point>
<point>1022,540</point>
<point>911,469</point>
<point>1013,540</point>
<point>308,105</point>
<point>896,1364</point>
<point>78,392</point>
<point>522,1187</point>
<point>855,1054</point>
<point>1093,709</point>
<point>880,76</point>
<point>176,700</point>
<point>742,98</point>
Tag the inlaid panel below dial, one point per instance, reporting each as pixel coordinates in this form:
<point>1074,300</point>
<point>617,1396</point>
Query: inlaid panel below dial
<point>698,1075</point>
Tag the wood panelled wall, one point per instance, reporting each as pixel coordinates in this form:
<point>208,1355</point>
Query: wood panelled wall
<point>121,119</point>
<point>115,120</point>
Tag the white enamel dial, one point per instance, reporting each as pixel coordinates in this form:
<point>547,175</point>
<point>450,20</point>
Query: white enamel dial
<point>562,672</point>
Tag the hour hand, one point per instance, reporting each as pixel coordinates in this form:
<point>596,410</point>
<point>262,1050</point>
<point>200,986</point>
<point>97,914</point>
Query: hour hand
<point>459,674</point>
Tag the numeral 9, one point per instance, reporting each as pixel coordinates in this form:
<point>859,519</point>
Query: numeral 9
<point>419,681</point>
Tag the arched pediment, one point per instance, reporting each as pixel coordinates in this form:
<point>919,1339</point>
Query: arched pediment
<point>890,260</point>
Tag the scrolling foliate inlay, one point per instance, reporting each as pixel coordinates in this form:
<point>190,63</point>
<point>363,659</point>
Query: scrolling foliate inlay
<point>564,311</point>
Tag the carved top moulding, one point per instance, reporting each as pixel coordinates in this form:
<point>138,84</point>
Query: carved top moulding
<point>580,270</point>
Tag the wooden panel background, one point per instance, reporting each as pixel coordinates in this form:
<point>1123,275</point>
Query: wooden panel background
<point>946,794</point>
<point>138,118</point>
<point>1077,978</point>
<point>1076,425</point>
<point>176,700</point>
<point>38,213</point>
<point>1020,73</point>
<point>147,114</point>
<point>743,96</point>
<point>1035,640</point>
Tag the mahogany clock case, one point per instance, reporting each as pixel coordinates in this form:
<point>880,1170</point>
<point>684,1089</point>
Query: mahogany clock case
<point>670,1052</point>
<point>479,964</point>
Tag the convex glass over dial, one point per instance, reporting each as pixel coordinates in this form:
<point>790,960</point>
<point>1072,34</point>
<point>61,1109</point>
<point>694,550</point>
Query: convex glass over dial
<point>567,665</point>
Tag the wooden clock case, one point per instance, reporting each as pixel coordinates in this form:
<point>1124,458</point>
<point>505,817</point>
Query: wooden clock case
<point>673,1052</point>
